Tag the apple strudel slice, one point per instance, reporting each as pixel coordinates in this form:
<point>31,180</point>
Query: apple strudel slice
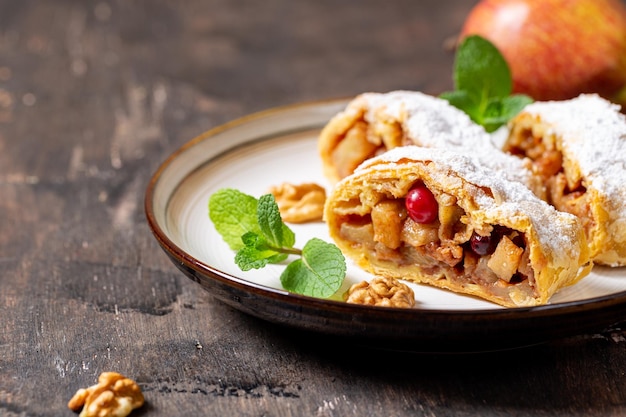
<point>373,123</point>
<point>439,217</point>
<point>578,149</point>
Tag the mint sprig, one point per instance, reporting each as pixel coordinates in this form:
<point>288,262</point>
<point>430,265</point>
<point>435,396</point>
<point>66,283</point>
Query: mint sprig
<point>483,84</point>
<point>320,270</point>
<point>255,230</point>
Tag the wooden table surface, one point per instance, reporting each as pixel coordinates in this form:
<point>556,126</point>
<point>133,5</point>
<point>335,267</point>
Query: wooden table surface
<point>94,95</point>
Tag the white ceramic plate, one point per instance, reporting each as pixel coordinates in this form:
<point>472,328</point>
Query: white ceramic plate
<point>280,145</point>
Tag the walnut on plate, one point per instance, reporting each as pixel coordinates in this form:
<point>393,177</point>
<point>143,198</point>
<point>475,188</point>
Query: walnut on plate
<point>113,396</point>
<point>299,203</point>
<point>383,292</point>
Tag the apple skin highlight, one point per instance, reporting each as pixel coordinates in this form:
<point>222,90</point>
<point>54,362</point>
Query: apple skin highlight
<point>557,49</point>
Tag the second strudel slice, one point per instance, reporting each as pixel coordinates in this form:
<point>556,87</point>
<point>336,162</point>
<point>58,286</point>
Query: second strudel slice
<point>373,123</point>
<point>578,149</point>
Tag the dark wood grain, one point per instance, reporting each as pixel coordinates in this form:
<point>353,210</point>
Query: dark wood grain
<point>94,95</point>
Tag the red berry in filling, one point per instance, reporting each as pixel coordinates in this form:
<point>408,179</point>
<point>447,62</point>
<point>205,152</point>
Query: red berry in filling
<point>482,245</point>
<point>421,205</point>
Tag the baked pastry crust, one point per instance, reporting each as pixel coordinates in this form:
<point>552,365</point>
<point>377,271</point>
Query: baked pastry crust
<point>578,149</point>
<point>373,123</point>
<point>550,246</point>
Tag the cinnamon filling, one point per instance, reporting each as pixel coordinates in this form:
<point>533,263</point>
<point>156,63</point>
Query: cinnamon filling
<point>491,256</point>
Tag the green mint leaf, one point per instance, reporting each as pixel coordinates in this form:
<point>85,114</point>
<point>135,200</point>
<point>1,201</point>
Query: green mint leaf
<point>274,229</point>
<point>263,249</point>
<point>514,104</point>
<point>493,115</point>
<point>481,70</point>
<point>319,273</point>
<point>500,111</point>
<point>249,258</point>
<point>233,214</point>
<point>483,84</point>
<point>463,101</point>
<point>256,253</point>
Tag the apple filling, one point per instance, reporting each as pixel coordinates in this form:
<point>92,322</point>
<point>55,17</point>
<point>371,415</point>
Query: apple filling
<point>565,192</point>
<point>437,238</point>
<point>363,140</point>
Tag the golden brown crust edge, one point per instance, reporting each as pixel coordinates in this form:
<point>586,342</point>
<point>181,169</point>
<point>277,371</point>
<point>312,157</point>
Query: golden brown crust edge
<point>333,133</point>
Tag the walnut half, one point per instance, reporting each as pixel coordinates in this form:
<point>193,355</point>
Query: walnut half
<point>383,292</point>
<point>299,203</point>
<point>113,396</point>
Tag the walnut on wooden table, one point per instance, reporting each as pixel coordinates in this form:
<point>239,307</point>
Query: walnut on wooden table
<point>383,292</point>
<point>299,203</point>
<point>113,396</point>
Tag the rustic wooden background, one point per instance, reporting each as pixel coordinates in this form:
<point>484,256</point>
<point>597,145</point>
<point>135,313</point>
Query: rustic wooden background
<point>94,95</point>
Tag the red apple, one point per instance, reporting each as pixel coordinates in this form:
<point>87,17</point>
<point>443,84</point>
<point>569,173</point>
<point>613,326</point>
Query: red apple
<point>557,49</point>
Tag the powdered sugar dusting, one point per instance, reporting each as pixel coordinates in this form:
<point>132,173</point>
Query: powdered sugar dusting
<point>428,120</point>
<point>593,133</point>
<point>433,122</point>
<point>556,230</point>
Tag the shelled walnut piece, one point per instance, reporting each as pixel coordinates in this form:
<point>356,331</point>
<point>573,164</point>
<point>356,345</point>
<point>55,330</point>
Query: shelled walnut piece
<point>383,292</point>
<point>299,203</point>
<point>113,396</point>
